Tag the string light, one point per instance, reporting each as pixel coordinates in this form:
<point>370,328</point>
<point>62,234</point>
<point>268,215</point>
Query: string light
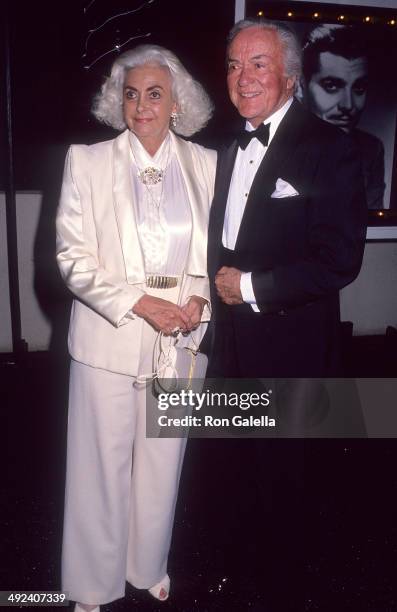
<point>345,18</point>
<point>117,46</point>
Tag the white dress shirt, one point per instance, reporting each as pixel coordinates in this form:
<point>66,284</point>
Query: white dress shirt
<point>245,168</point>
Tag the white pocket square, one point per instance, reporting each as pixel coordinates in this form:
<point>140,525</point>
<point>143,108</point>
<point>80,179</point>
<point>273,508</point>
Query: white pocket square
<point>283,190</point>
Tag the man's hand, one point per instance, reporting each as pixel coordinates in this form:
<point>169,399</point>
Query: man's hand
<point>162,314</point>
<point>194,309</point>
<point>227,282</point>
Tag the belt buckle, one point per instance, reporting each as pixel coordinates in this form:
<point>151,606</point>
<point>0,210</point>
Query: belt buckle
<point>161,282</point>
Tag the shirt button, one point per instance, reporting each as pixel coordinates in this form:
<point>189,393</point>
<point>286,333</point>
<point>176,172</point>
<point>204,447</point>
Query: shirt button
<point>246,195</point>
<point>251,161</point>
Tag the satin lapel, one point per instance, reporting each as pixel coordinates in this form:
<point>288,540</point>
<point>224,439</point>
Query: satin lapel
<point>217,215</point>
<point>124,210</point>
<point>196,264</point>
<point>279,153</point>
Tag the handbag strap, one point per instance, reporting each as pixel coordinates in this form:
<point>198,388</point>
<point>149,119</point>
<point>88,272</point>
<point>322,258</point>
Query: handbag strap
<point>167,361</point>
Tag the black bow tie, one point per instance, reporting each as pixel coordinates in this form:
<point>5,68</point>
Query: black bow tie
<point>261,133</point>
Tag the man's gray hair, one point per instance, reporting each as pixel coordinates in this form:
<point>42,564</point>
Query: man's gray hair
<point>288,39</point>
<point>194,106</point>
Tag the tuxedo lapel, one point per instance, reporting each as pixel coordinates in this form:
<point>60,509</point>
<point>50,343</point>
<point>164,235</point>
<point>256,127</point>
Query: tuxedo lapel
<point>280,151</point>
<point>124,210</point>
<point>224,174</point>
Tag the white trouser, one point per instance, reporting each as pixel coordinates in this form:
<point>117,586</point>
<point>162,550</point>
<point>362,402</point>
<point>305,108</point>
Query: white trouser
<point>121,487</point>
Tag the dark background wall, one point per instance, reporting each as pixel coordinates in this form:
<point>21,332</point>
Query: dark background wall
<point>52,90</point>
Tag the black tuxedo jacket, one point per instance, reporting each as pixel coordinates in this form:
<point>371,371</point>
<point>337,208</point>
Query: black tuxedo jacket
<point>301,251</point>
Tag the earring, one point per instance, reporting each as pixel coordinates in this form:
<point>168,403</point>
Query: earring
<point>174,119</point>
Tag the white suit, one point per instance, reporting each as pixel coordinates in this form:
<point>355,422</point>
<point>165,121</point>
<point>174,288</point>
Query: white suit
<point>121,487</point>
<point>98,248</point>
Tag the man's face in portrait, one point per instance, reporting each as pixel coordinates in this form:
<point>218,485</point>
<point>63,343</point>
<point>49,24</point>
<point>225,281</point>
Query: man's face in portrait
<point>338,90</point>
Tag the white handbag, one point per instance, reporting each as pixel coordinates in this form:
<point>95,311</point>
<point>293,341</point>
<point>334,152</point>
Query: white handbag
<point>177,368</point>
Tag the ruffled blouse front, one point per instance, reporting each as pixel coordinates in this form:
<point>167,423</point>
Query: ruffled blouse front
<point>162,210</point>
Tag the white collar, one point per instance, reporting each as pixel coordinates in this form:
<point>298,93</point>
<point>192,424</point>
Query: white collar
<point>274,119</point>
<point>143,159</point>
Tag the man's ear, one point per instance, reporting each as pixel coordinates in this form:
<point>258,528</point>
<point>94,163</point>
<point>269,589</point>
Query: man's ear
<point>291,80</point>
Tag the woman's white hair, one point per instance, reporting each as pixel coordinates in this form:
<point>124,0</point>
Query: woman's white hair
<point>194,106</point>
<point>288,39</point>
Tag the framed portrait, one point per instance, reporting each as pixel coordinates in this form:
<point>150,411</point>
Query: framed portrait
<point>349,54</point>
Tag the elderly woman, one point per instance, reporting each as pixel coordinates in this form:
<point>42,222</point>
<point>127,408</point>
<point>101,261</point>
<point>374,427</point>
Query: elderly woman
<point>131,246</point>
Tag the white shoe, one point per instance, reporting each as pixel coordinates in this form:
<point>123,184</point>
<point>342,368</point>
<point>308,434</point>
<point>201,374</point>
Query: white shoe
<point>161,590</point>
<point>80,608</point>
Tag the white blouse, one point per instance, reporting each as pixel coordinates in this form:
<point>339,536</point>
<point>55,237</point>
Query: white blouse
<point>162,210</point>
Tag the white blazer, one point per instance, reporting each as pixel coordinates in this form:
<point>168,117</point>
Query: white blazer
<point>99,253</point>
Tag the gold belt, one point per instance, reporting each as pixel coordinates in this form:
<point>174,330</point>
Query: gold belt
<point>161,282</point>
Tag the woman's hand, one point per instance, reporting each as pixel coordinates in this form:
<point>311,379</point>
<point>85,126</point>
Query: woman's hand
<point>162,314</point>
<point>194,309</point>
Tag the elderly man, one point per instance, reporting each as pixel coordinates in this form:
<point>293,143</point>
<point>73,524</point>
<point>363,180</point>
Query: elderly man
<point>334,87</point>
<point>287,224</point>
<point>286,233</point>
